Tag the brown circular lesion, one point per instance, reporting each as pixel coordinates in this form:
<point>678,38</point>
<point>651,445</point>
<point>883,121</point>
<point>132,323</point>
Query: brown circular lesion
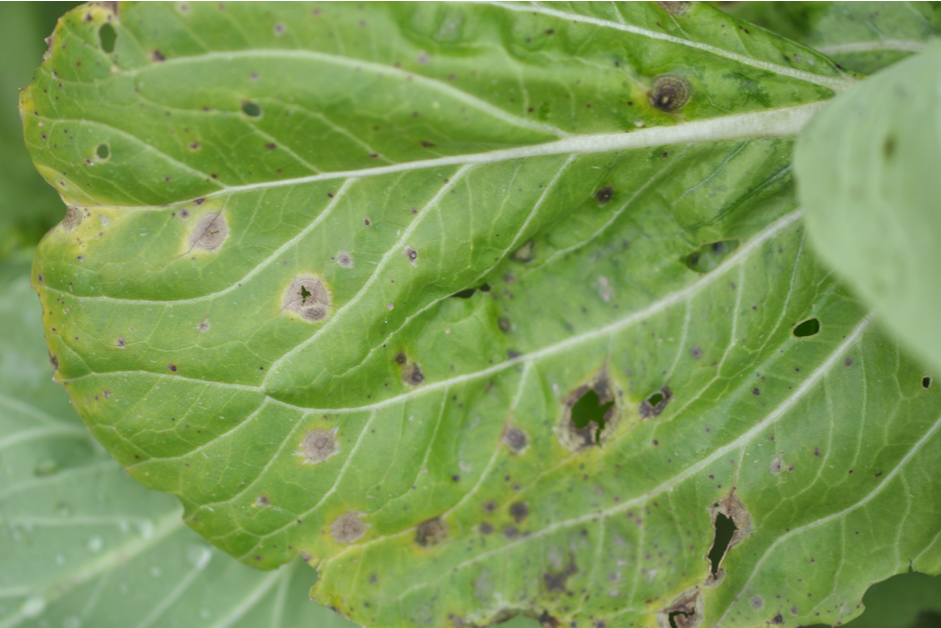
<point>347,528</point>
<point>308,298</point>
<point>210,232</point>
<point>669,93</point>
<point>319,445</point>
<point>430,533</point>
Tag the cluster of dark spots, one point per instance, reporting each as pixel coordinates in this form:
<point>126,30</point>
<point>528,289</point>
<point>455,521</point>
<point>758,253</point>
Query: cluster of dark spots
<point>490,506</point>
<point>708,256</point>
<point>172,367</point>
<point>486,528</point>
<point>515,438</point>
<point>548,621</point>
<point>655,403</point>
<point>555,580</point>
<point>209,233</point>
<point>430,533</point>
<point>411,254</point>
<point>669,93</point>
<point>156,55</point>
<point>604,194</point>
<point>676,9</point>
<point>307,297</point>
<point>519,511</point>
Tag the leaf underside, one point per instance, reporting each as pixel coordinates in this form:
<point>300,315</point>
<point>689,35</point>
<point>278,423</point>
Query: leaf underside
<point>254,303</point>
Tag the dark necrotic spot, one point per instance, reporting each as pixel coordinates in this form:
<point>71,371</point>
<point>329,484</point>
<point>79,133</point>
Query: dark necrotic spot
<point>888,147</point>
<point>107,37</point>
<point>121,343</point>
<point>696,352</point>
<point>486,528</point>
<point>431,532</point>
<point>515,438</point>
<point>412,374</point>
<point>710,255</point>
<point>807,328</point>
<point>604,194</point>
<point>54,361</point>
<point>172,367</point>
<point>926,382</point>
<point>510,532</point>
<point>519,511</point>
<point>411,254</point>
<point>669,93</point>
<point>156,55</point>
<point>251,109</point>
<point>262,500</point>
<point>555,581</point>
<point>400,358</point>
<point>209,233</point>
<point>102,152</point>
<point>654,404</point>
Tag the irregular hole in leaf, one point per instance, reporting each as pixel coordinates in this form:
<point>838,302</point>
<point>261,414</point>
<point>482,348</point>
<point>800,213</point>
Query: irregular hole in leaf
<point>107,37</point>
<point>102,151</point>
<point>251,109</point>
<point>655,403</point>
<point>469,292</point>
<point>555,581</point>
<point>484,287</point>
<point>588,410</point>
<point>669,93</point>
<point>724,529</point>
<point>807,328</point>
<point>525,253</point>
<point>685,612</point>
<point>710,255</point>
<point>926,382</point>
<point>430,533</point>
<point>590,415</point>
<point>209,233</point>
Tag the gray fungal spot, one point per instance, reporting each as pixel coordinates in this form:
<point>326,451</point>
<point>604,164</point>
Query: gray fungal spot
<point>676,9</point>
<point>308,298</point>
<point>525,253</point>
<point>262,500</point>
<point>319,445</point>
<point>519,511</point>
<point>757,602</point>
<point>347,528</point>
<point>776,465</point>
<point>432,532</point>
<point>73,218</point>
<point>411,254</point>
<point>344,259</point>
<point>204,326</point>
<point>413,375</point>
<point>209,233</point>
<point>669,93</point>
<point>696,352</point>
<point>120,342</point>
<point>515,438</point>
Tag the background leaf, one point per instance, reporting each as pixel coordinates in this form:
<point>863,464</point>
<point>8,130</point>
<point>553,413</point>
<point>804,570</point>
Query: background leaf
<point>873,215</point>
<point>248,158</point>
<point>861,36</point>
<point>85,545</point>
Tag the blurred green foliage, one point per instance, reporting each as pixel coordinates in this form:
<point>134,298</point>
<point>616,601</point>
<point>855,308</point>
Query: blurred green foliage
<point>28,206</point>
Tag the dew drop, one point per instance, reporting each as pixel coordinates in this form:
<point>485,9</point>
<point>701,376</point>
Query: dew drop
<point>145,528</point>
<point>95,544</point>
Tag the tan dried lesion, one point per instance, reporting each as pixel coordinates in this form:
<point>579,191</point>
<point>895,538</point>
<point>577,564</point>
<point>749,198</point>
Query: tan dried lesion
<point>308,298</point>
<point>210,232</point>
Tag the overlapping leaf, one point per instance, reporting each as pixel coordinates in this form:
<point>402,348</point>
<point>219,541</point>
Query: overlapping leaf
<point>255,304</point>
<point>83,544</point>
